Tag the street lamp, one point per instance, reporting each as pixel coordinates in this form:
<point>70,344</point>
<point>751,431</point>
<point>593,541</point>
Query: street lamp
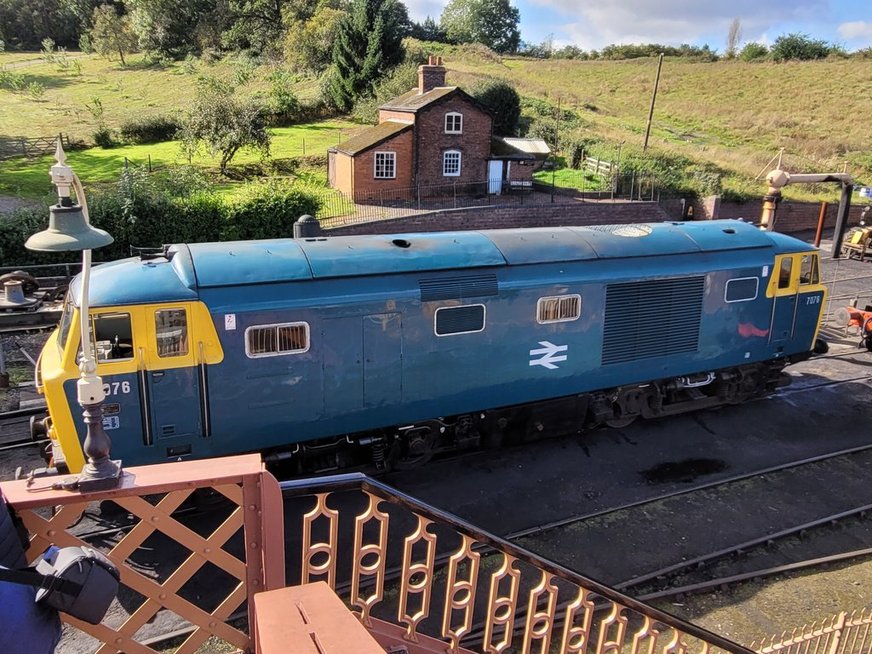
<point>70,229</point>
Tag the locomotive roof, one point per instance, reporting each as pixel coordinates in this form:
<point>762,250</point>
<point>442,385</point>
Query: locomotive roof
<point>187,268</point>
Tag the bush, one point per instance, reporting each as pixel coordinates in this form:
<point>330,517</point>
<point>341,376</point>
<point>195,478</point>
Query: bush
<point>800,47</point>
<point>153,129</point>
<point>268,210</point>
<point>103,137</point>
<point>754,52</point>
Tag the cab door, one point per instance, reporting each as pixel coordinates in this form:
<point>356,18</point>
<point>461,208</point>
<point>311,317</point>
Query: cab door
<point>783,288</point>
<point>172,379</point>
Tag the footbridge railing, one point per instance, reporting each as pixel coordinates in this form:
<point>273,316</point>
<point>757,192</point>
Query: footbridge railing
<point>424,579</point>
<point>195,541</point>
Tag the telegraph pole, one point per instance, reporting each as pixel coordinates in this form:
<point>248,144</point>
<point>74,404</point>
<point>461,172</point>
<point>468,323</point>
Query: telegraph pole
<point>653,98</point>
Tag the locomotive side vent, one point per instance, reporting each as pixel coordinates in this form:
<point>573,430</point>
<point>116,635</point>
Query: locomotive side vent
<point>458,288</point>
<point>652,319</point>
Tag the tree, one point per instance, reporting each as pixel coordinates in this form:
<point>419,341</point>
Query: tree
<point>799,46</point>
<point>309,41</point>
<point>734,37</point>
<point>112,33</point>
<point>222,123</point>
<point>504,103</point>
<point>257,24</point>
<point>368,45</point>
<point>429,30</point>
<point>491,22</point>
<point>25,23</point>
<point>169,27</point>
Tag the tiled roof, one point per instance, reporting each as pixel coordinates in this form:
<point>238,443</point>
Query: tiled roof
<point>412,101</point>
<point>372,136</point>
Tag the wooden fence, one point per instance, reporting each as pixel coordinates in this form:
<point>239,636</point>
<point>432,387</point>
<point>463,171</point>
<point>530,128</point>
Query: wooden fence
<point>35,147</point>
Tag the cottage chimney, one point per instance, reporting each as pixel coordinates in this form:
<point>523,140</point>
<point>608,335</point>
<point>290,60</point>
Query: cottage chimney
<point>431,75</point>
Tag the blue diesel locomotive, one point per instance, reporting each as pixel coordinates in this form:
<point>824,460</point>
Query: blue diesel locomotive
<point>388,349</point>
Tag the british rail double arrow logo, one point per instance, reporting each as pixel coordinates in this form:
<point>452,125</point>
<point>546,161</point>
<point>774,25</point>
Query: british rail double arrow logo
<point>549,355</point>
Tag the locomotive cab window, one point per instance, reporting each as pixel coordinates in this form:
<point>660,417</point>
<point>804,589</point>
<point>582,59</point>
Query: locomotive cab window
<point>561,308</point>
<point>459,320</point>
<point>277,340</point>
<point>171,330</point>
<point>784,272</point>
<point>809,272</point>
<point>741,289</point>
<point>112,336</point>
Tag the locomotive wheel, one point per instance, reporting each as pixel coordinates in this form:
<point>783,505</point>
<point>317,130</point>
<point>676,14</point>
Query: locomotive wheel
<point>413,449</point>
<point>620,423</point>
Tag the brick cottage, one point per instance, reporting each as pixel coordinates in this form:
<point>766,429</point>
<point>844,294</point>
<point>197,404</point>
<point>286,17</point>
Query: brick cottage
<point>433,135</point>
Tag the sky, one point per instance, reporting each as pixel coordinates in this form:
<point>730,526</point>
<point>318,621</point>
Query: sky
<point>592,24</point>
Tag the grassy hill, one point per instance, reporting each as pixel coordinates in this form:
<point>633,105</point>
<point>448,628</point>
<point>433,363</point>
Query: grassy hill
<point>732,115</point>
<point>724,120</point>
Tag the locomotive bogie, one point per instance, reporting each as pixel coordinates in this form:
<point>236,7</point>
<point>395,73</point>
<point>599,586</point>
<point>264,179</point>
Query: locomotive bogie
<point>391,349</point>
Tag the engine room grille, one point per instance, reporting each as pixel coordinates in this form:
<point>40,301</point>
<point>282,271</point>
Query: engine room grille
<point>652,319</point>
<point>458,288</point>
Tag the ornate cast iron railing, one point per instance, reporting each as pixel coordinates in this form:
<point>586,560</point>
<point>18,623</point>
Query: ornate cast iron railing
<point>845,633</point>
<point>190,541</point>
<point>424,578</point>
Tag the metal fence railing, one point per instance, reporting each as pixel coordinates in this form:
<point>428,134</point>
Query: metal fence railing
<point>845,633</point>
<point>340,209</point>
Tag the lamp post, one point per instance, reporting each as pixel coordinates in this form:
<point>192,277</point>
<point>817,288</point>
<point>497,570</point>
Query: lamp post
<point>70,229</point>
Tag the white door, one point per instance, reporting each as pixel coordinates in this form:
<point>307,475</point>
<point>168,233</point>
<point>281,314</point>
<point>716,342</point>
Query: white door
<point>494,176</point>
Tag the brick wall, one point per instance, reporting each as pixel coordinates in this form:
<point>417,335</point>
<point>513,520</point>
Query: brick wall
<point>432,141</point>
<point>550,215</point>
<point>364,166</point>
<point>791,216</point>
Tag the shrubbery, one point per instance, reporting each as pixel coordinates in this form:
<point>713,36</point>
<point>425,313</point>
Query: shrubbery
<point>149,210</point>
<point>267,210</point>
<point>153,129</point>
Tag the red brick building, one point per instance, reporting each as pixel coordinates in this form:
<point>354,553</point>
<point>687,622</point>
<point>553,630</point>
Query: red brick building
<point>432,135</point>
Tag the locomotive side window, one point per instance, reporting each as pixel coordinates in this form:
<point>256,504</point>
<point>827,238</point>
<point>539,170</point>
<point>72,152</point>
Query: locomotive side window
<point>808,271</point>
<point>784,272</point>
<point>459,320</point>
<point>171,329</point>
<point>741,289</point>
<point>560,308</point>
<point>276,340</point>
<point>113,336</point>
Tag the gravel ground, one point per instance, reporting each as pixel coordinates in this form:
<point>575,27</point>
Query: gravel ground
<point>756,610</point>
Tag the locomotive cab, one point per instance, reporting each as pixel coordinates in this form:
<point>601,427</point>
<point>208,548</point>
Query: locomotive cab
<point>797,297</point>
<point>152,360</point>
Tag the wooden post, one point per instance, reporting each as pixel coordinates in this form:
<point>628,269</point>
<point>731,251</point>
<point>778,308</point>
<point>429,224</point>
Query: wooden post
<point>653,99</point>
<point>820,226</point>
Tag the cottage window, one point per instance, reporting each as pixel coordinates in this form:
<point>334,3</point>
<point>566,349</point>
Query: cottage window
<point>454,123</point>
<point>385,165</point>
<point>451,163</point>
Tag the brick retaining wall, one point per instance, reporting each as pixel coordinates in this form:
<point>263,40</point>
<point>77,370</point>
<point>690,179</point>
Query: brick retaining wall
<point>548,215</point>
<point>791,217</point>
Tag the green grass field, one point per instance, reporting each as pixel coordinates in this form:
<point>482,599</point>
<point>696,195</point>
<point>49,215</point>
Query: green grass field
<point>730,115</point>
<point>29,177</point>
